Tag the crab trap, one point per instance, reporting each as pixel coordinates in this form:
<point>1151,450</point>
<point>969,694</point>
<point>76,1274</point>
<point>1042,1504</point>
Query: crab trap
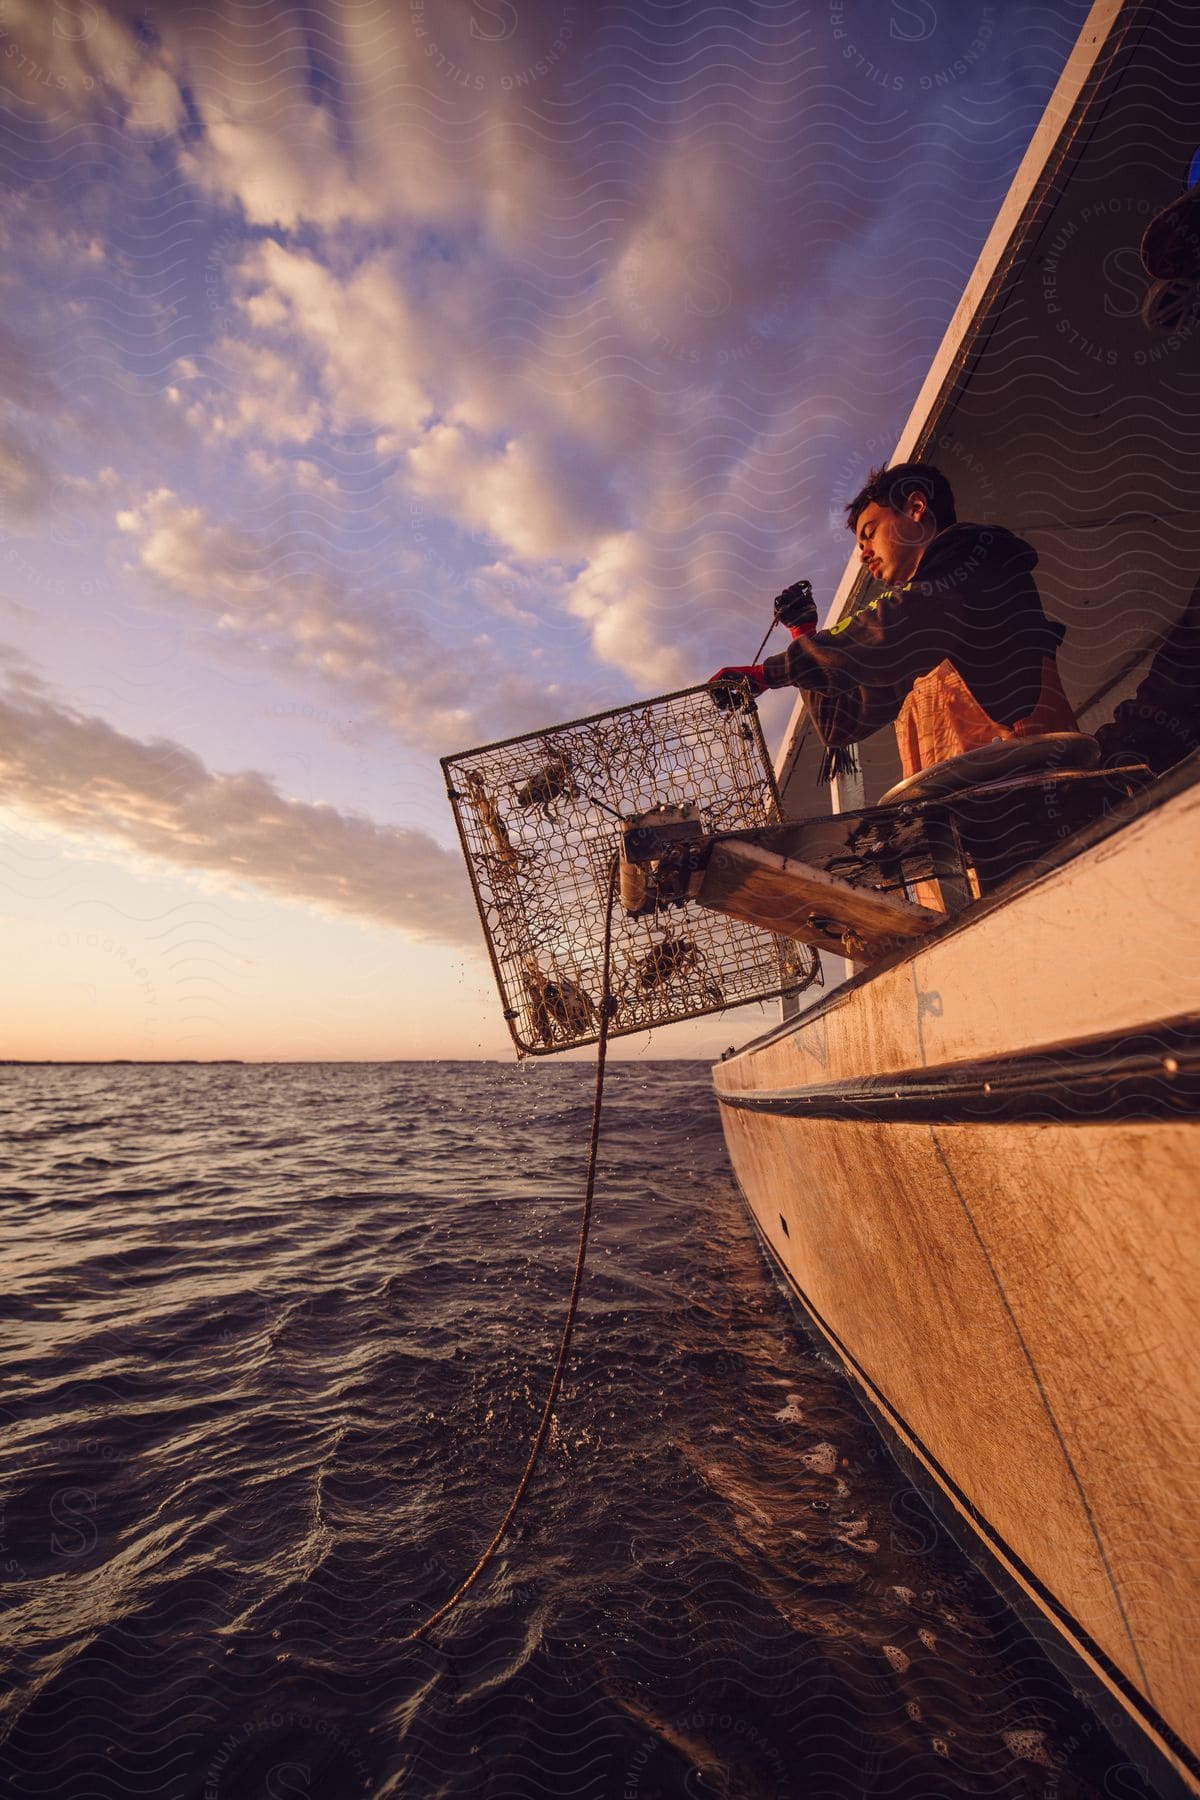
<point>541,819</point>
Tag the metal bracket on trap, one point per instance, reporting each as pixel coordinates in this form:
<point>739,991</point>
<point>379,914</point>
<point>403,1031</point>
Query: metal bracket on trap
<point>662,854</point>
<point>541,819</point>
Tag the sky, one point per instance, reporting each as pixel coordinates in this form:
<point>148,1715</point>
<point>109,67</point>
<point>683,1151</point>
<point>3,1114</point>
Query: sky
<point>379,378</point>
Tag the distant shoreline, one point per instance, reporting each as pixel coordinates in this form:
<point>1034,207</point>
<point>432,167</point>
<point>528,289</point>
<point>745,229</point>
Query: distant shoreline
<point>310,1062</point>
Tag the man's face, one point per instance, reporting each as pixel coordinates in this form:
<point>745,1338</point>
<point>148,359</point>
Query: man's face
<point>891,543</point>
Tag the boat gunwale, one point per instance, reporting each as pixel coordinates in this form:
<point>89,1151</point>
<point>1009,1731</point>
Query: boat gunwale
<point>1126,1075</point>
<point>1125,814</point>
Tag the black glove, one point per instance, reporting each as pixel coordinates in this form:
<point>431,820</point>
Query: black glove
<point>796,609</point>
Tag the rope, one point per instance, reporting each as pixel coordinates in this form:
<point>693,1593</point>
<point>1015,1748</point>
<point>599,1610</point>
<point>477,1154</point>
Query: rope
<point>564,1347</point>
<point>763,645</point>
<point>771,627</point>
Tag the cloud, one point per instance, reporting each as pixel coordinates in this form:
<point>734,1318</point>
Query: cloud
<point>418,115</point>
<point>157,800</point>
<point>373,352</point>
<point>280,179</point>
<point>411,360</point>
<point>295,474</point>
<point>623,331</point>
<point>84,60</point>
<point>610,596</point>
<point>533,362</point>
<point>261,393</point>
<point>704,268</point>
<point>596,479</point>
<point>26,478</point>
<point>293,613</point>
<point>25,380</point>
<point>268,144</point>
<point>529,494</point>
<point>581,429</point>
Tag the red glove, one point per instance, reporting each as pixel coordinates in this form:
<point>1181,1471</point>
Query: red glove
<point>729,684</point>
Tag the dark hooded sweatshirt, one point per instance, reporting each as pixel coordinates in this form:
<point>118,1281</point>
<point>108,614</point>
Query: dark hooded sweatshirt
<point>972,602</point>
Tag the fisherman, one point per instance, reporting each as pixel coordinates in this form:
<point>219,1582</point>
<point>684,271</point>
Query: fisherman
<point>954,649</point>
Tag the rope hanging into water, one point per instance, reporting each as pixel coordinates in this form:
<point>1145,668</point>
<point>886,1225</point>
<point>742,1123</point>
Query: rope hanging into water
<point>576,1285</point>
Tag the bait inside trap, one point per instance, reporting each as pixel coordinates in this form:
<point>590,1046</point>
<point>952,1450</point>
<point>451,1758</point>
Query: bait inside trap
<point>541,819</point>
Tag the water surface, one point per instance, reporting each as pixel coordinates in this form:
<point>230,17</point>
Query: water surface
<point>277,1341</point>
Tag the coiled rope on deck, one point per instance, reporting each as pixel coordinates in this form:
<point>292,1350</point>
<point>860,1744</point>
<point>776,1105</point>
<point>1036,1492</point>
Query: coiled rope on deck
<point>564,1347</point>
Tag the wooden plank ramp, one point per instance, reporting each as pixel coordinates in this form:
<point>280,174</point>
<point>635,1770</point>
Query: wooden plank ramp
<point>798,901</point>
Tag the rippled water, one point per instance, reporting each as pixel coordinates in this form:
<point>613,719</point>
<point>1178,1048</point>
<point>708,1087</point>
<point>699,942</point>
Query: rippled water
<point>278,1337</point>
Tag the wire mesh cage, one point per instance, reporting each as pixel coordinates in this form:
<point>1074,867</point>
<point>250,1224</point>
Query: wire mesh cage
<point>540,821</point>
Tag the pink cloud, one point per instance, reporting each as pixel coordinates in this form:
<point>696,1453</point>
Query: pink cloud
<point>157,801</point>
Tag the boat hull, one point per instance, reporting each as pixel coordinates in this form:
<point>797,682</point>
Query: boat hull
<point>979,1171</point>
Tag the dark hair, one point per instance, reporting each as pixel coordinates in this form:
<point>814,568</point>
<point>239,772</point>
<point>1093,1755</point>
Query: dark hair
<point>893,487</point>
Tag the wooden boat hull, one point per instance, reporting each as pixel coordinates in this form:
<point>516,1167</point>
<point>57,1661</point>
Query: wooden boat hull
<point>979,1170</point>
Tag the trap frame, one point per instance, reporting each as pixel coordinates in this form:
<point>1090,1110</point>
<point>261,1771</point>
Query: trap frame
<point>540,817</point>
